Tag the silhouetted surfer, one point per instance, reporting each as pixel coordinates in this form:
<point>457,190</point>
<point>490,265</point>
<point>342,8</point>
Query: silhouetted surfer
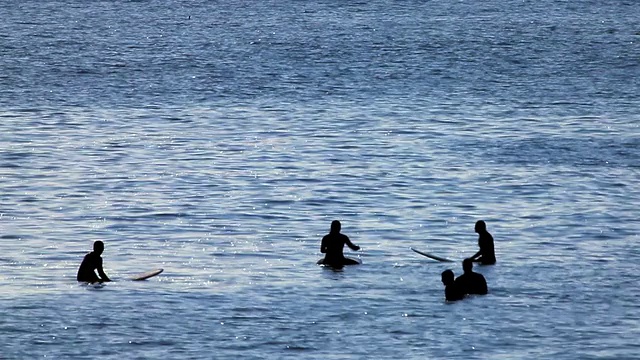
<point>471,282</point>
<point>452,291</point>
<point>486,255</point>
<point>332,245</point>
<point>92,262</point>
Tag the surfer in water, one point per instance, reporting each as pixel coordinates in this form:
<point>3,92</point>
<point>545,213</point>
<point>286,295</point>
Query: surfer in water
<point>332,245</point>
<point>486,255</point>
<point>471,282</point>
<point>92,262</point>
<point>452,291</point>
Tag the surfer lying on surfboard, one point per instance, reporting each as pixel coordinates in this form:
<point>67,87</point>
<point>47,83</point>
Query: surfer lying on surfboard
<point>92,262</point>
<point>332,246</point>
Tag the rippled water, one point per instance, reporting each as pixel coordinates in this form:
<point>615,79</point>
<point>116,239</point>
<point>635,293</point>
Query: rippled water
<point>218,141</point>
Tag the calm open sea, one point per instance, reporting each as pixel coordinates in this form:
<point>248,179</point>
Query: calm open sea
<point>219,139</point>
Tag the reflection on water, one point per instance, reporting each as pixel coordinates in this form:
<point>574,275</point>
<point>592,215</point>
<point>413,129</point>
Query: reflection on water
<point>220,148</point>
<point>236,220</point>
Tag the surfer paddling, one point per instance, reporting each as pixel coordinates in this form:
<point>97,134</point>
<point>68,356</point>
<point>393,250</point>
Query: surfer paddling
<point>92,262</point>
<point>332,246</point>
<point>486,255</point>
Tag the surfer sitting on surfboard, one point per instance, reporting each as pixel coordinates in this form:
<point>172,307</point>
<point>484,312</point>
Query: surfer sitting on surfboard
<point>332,245</point>
<point>92,262</point>
<point>486,255</point>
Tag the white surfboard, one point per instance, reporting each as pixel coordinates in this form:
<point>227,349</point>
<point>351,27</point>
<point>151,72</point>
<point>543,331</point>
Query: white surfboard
<point>146,275</point>
<point>431,256</point>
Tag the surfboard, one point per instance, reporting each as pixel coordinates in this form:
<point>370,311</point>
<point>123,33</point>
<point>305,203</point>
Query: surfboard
<point>146,275</point>
<point>91,286</point>
<point>438,258</point>
<point>347,261</point>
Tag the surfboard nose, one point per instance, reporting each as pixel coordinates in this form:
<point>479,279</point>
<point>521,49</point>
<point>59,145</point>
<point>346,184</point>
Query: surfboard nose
<point>146,275</point>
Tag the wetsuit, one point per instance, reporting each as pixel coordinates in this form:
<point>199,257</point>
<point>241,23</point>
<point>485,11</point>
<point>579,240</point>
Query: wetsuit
<point>332,245</point>
<point>485,242</point>
<point>472,283</point>
<point>452,292</point>
<point>90,263</point>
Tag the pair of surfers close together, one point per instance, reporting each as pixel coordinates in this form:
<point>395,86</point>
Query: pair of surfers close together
<point>469,283</point>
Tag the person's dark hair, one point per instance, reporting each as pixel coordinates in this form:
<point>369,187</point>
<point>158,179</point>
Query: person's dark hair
<point>98,246</point>
<point>335,226</point>
<point>467,265</point>
<point>481,225</point>
<point>447,277</point>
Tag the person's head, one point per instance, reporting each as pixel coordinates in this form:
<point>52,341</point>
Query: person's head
<point>467,265</point>
<point>335,226</point>
<point>447,277</point>
<point>98,247</point>
<point>481,226</point>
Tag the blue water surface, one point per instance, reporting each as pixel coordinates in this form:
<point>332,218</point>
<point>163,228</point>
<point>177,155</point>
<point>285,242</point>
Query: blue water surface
<point>219,139</point>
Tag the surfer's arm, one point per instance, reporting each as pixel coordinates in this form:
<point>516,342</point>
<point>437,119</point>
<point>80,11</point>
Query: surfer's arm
<point>323,246</point>
<point>103,276</point>
<point>352,245</point>
<point>476,255</point>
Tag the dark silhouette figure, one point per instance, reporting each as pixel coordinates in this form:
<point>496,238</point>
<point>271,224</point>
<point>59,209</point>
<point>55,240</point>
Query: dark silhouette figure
<point>471,282</point>
<point>92,262</point>
<point>486,255</point>
<point>452,291</point>
<point>332,245</point>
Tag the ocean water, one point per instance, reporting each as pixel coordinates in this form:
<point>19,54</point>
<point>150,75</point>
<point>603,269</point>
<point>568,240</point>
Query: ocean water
<point>219,139</point>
